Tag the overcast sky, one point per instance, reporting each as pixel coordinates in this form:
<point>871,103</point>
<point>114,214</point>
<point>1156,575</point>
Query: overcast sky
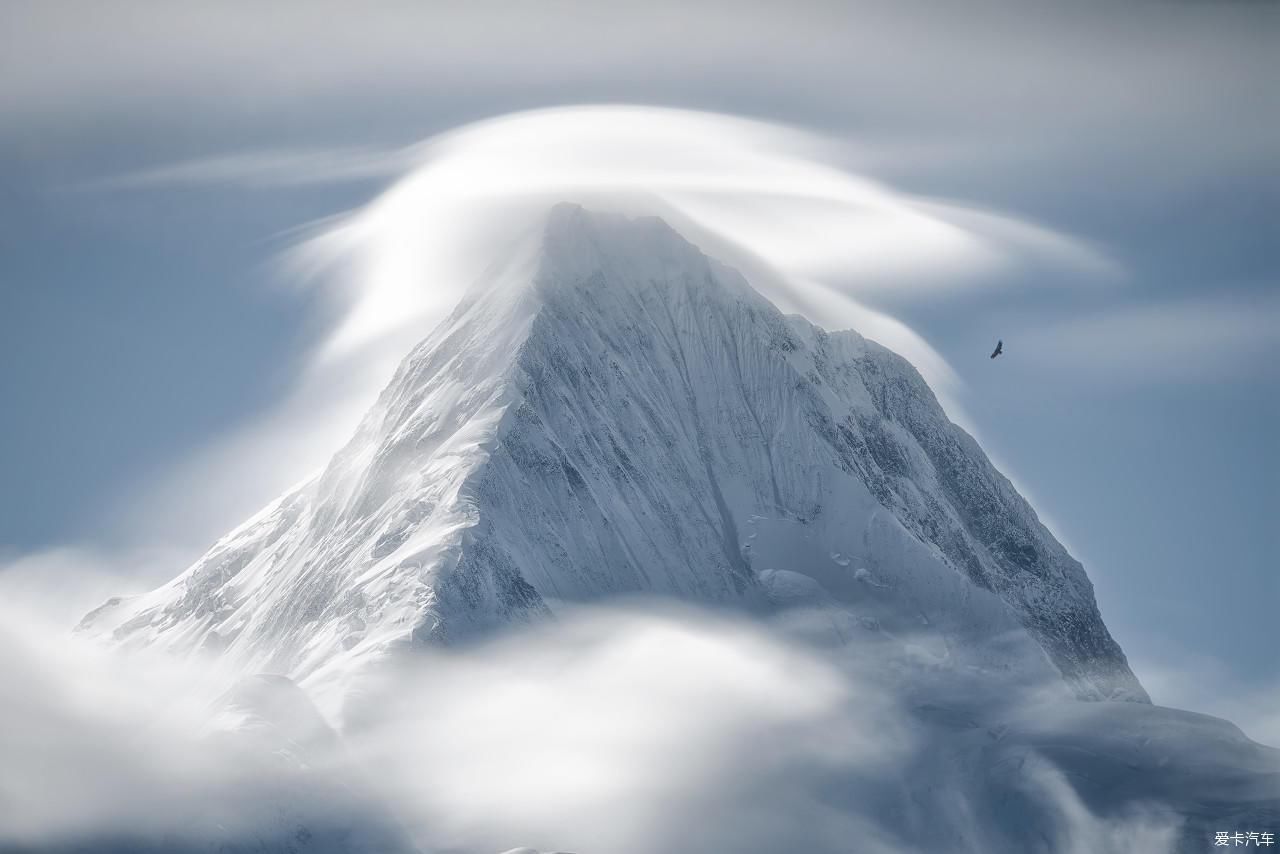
<point>157,159</point>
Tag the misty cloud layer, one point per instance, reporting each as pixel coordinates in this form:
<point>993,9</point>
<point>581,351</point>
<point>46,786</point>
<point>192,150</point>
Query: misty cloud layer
<point>627,729</point>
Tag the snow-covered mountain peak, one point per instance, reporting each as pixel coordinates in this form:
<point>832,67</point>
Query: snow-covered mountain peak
<point>577,242</point>
<point>611,412</point>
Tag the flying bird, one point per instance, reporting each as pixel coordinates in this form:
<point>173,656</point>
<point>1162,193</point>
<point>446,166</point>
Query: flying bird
<point>998,350</point>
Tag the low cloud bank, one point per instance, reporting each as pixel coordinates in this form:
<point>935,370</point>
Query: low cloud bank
<point>620,730</point>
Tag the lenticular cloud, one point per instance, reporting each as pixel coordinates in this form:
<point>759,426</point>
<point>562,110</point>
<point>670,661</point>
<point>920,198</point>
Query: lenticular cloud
<point>774,202</point>
<point>763,197</point>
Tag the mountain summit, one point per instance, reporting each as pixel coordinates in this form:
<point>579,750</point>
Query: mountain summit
<point>610,412</point>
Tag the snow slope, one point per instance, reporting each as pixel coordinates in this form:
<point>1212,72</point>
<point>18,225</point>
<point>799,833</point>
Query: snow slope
<point>611,412</point>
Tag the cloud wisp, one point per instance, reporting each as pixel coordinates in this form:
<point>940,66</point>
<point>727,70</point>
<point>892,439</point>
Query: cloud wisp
<point>268,169</point>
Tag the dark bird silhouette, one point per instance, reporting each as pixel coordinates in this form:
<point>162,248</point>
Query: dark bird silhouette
<point>999,349</point>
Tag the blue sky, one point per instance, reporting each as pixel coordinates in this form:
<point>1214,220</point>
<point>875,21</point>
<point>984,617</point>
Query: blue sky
<point>154,165</point>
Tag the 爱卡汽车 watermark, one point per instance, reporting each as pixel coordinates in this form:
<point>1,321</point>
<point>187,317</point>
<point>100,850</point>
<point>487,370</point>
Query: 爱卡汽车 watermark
<point>1252,837</point>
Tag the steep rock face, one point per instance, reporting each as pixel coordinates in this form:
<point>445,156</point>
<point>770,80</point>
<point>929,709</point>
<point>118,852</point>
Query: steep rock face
<point>941,486</point>
<point>611,412</point>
